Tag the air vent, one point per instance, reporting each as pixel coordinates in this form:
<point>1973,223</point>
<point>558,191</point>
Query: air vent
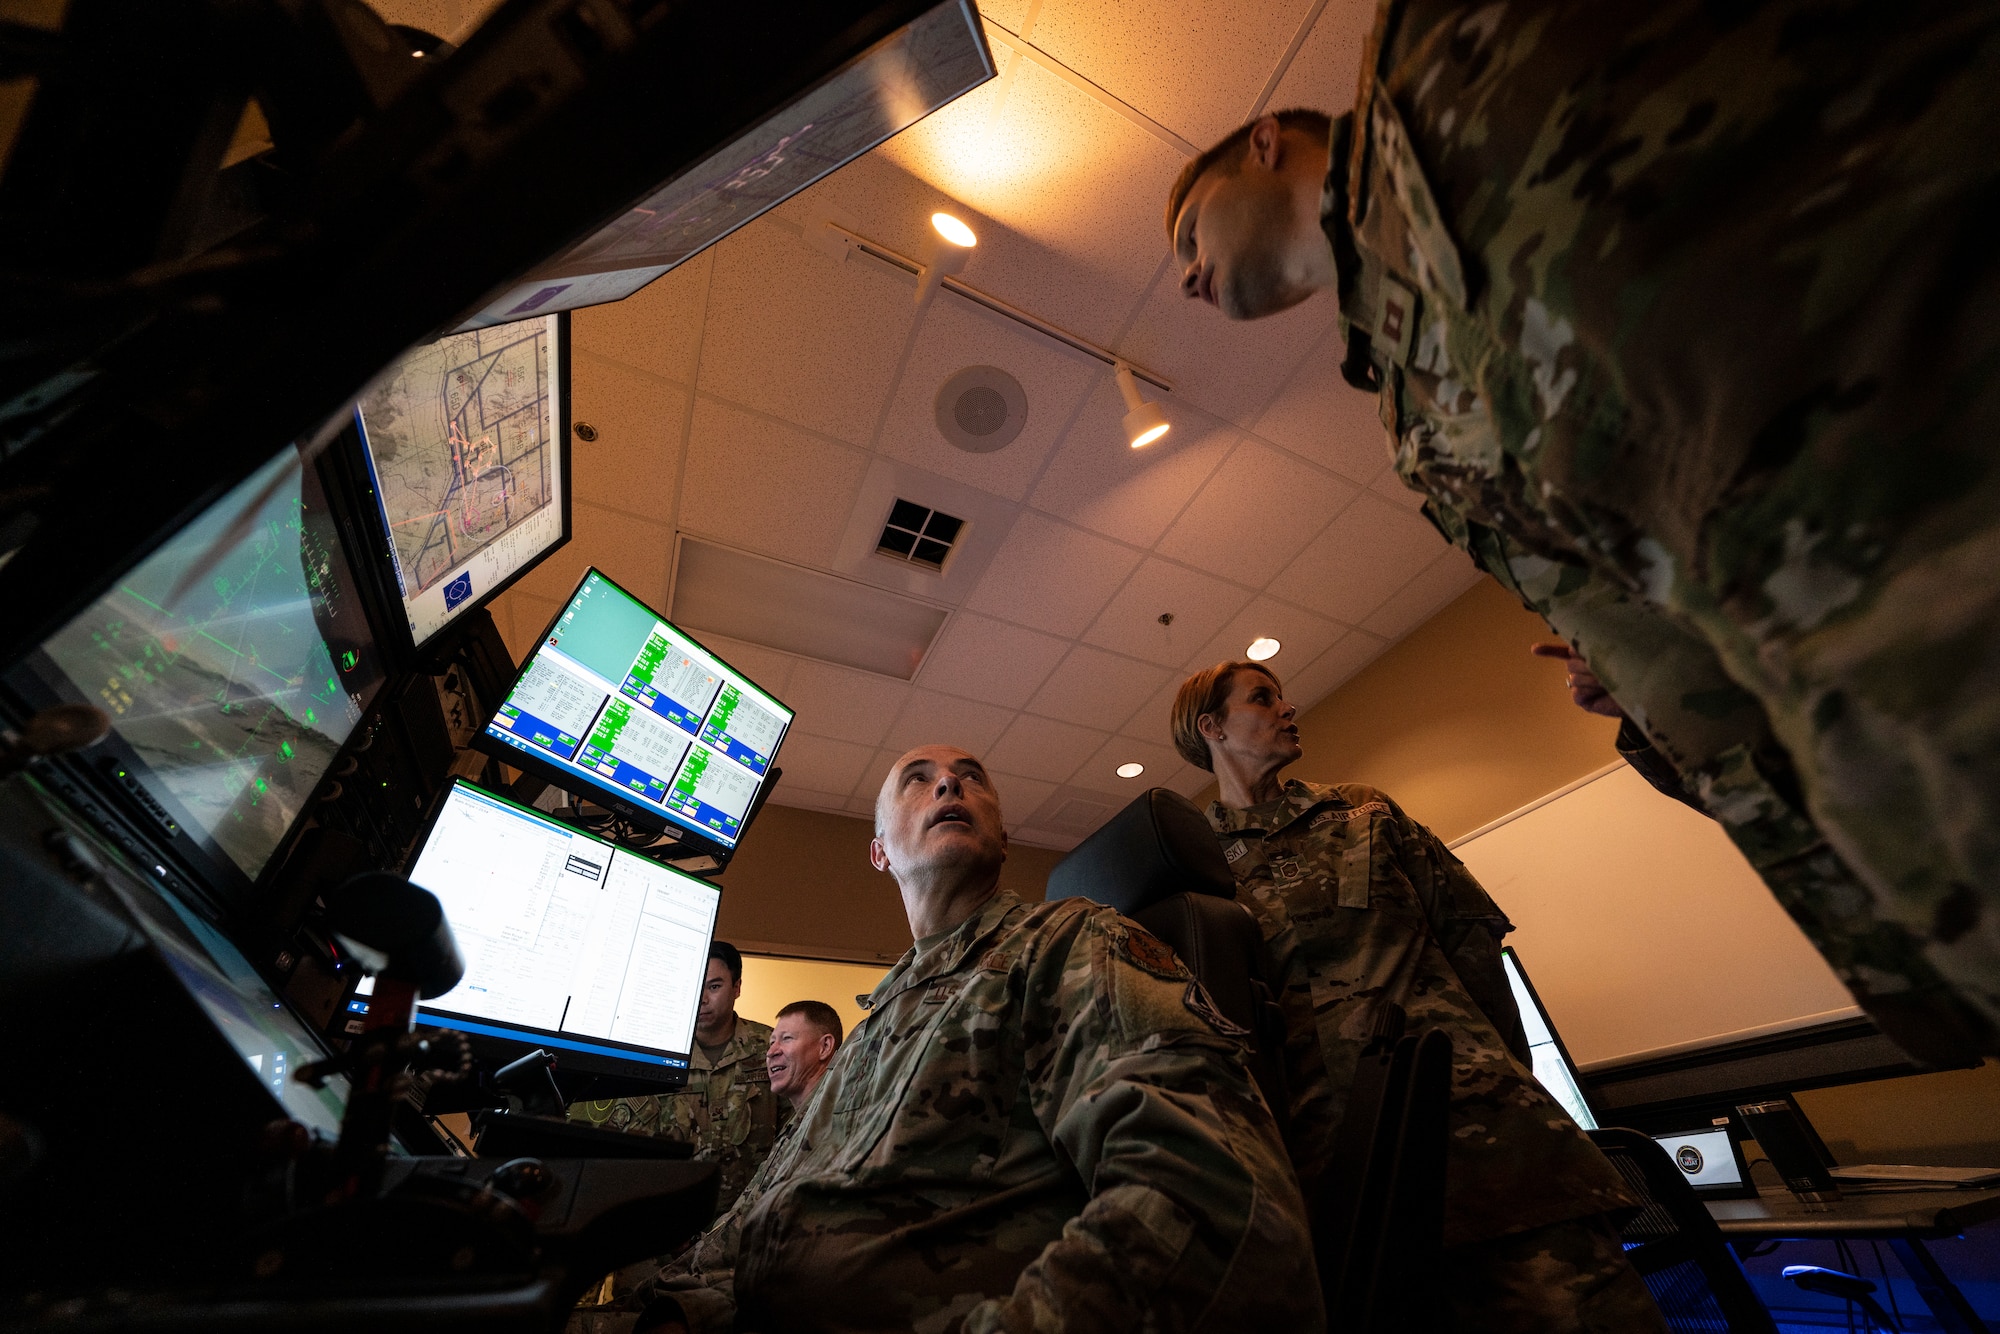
<point>919,535</point>
<point>981,409</point>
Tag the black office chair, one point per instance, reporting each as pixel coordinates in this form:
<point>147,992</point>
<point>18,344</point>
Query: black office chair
<point>1158,863</point>
<point>1676,1246</point>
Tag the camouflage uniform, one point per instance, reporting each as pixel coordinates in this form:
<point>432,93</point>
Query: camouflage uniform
<point>727,1111</point>
<point>1681,317</point>
<point>1041,1126</point>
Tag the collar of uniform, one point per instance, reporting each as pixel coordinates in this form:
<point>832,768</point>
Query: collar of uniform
<point>950,954</point>
<point>1268,817</point>
<point>742,1045</point>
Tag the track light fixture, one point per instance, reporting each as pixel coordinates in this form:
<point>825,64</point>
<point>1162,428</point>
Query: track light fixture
<point>1144,422</point>
<point>950,248</point>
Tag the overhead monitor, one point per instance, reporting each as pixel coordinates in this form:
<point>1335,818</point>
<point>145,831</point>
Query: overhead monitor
<point>571,943</point>
<point>1553,1068</point>
<point>619,706</point>
<point>233,662</point>
<point>467,447</point>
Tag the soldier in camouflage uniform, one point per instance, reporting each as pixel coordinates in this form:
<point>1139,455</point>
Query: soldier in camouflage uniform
<point>1043,1125</point>
<point>1681,316</point>
<point>727,1111</point>
<point>1363,907</point>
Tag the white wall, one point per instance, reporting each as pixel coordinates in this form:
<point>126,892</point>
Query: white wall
<point>771,984</point>
<point>1642,927</point>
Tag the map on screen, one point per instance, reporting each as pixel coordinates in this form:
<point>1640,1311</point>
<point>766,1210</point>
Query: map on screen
<point>462,437</point>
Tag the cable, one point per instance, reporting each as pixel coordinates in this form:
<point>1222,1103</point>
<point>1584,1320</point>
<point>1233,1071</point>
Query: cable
<point>1888,1284</point>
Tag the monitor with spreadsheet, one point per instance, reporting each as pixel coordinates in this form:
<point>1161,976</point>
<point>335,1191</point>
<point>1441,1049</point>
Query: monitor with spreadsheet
<point>622,708</point>
<point>1553,1066</point>
<point>571,943</point>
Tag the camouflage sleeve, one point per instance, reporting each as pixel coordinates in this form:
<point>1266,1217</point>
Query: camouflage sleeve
<point>698,1287</point>
<point>1194,1220</point>
<point>1638,750</point>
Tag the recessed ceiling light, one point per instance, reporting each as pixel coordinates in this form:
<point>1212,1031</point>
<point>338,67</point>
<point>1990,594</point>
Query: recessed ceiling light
<point>1130,770</point>
<point>1261,649</point>
<point>954,231</point>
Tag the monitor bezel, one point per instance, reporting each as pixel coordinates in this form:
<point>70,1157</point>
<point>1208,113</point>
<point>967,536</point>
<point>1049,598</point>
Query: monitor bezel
<point>1745,1189</point>
<point>1590,1098</point>
<point>561,776</point>
<point>353,443</point>
<point>585,1062</point>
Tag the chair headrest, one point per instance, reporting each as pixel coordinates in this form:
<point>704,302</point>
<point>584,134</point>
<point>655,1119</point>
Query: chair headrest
<point>1157,847</point>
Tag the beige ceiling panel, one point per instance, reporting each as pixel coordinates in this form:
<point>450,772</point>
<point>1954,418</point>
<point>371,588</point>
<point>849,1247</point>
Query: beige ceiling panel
<point>1372,549</point>
<point>1044,748</point>
<point>1353,651</point>
<point>821,764</point>
<point>1020,796</point>
<point>1319,416</point>
<point>990,661</point>
<point>767,667</point>
<point>786,793</point>
<point>842,704</point>
<point>1097,689</point>
<point>1192,783</point>
<point>1196,67</point>
<point>1051,576</point>
<point>1231,368</point>
<point>657,329</point>
<point>1045,838</point>
<point>1257,512</point>
<point>765,486</point>
<point>869,784</point>
<point>1075,812</point>
<point>1153,721</point>
<point>957,334</point>
<point>634,463</point>
<point>1079,185</point>
<point>1100,772</point>
<point>1200,604</point>
<point>1447,577</point>
<point>1007,13</point>
<point>1302,635</point>
<point>1327,67</point>
<point>1098,481</point>
<point>798,334</point>
<point>633,552</point>
<point>933,719</point>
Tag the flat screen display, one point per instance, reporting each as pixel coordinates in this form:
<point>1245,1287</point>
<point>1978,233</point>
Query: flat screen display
<point>1553,1068</point>
<point>466,440</point>
<point>1706,1157</point>
<point>233,661</point>
<point>614,700</point>
<point>570,942</point>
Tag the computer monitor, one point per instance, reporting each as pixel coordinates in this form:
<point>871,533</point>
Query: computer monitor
<point>467,447</point>
<point>1711,1159</point>
<point>619,706</point>
<point>1553,1066</point>
<point>571,943</point>
<point>233,662</point>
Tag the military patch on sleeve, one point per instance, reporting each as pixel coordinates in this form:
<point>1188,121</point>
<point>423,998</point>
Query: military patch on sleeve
<point>1234,852</point>
<point>1148,952</point>
<point>1197,1000</point>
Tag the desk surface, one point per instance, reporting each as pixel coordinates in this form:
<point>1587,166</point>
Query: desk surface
<point>1862,1216</point>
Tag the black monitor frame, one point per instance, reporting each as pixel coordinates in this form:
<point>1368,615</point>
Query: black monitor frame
<point>683,844</point>
<point>361,480</point>
<point>1730,1129</point>
<point>1590,1098</point>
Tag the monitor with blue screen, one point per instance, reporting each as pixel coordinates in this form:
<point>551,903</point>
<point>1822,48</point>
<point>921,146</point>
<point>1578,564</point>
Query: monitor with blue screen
<point>571,943</point>
<point>619,706</point>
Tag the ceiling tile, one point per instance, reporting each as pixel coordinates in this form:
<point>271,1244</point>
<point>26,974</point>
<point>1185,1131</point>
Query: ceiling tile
<point>1256,513</point>
<point>1051,576</point>
<point>1099,773</point>
<point>957,334</point>
<point>1096,689</point>
<point>1192,783</point>
<point>633,552</point>
<point>1369,551</point>
<point>843,704</point>
<point>657,329</point>
<point>1301,635</point>
<point>768,668</point>
<point>1043,748</point>
<point>1327,68</point>
<point>1044,838</point>
<point>1353,651</point>
<point>933,719</point>
<point>1019,796</point>
<point>987,660</point>
<point>1319,416</point>
<point>1148,55</point>
<point>869,785</point>
<point>1201,606</point>
<point>1153,721</point>
<point>1447,577</point>
<point>1076,811</point>
<point>821,764</point>
<point>765,486</point>
<point>1134,495</point>
<point>801,335</point>
<point>639,422</point>
<point>862,806</point>
<point>1232,369</point>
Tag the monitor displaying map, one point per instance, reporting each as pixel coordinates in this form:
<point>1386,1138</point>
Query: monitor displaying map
<point>466,441</point>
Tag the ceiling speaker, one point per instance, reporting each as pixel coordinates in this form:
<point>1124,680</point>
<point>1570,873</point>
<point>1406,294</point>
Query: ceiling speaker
<point>981,409</point>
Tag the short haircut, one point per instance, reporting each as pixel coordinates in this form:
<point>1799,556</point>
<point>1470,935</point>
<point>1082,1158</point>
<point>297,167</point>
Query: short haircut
<point>821,1016</point>
<point>1204,693</point>
<point>1228,152</point>
<point>731,956</point>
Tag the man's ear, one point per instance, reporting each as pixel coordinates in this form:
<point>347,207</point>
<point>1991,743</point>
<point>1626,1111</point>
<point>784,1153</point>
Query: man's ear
<point>878,856</point>
<point>1267,143</point>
